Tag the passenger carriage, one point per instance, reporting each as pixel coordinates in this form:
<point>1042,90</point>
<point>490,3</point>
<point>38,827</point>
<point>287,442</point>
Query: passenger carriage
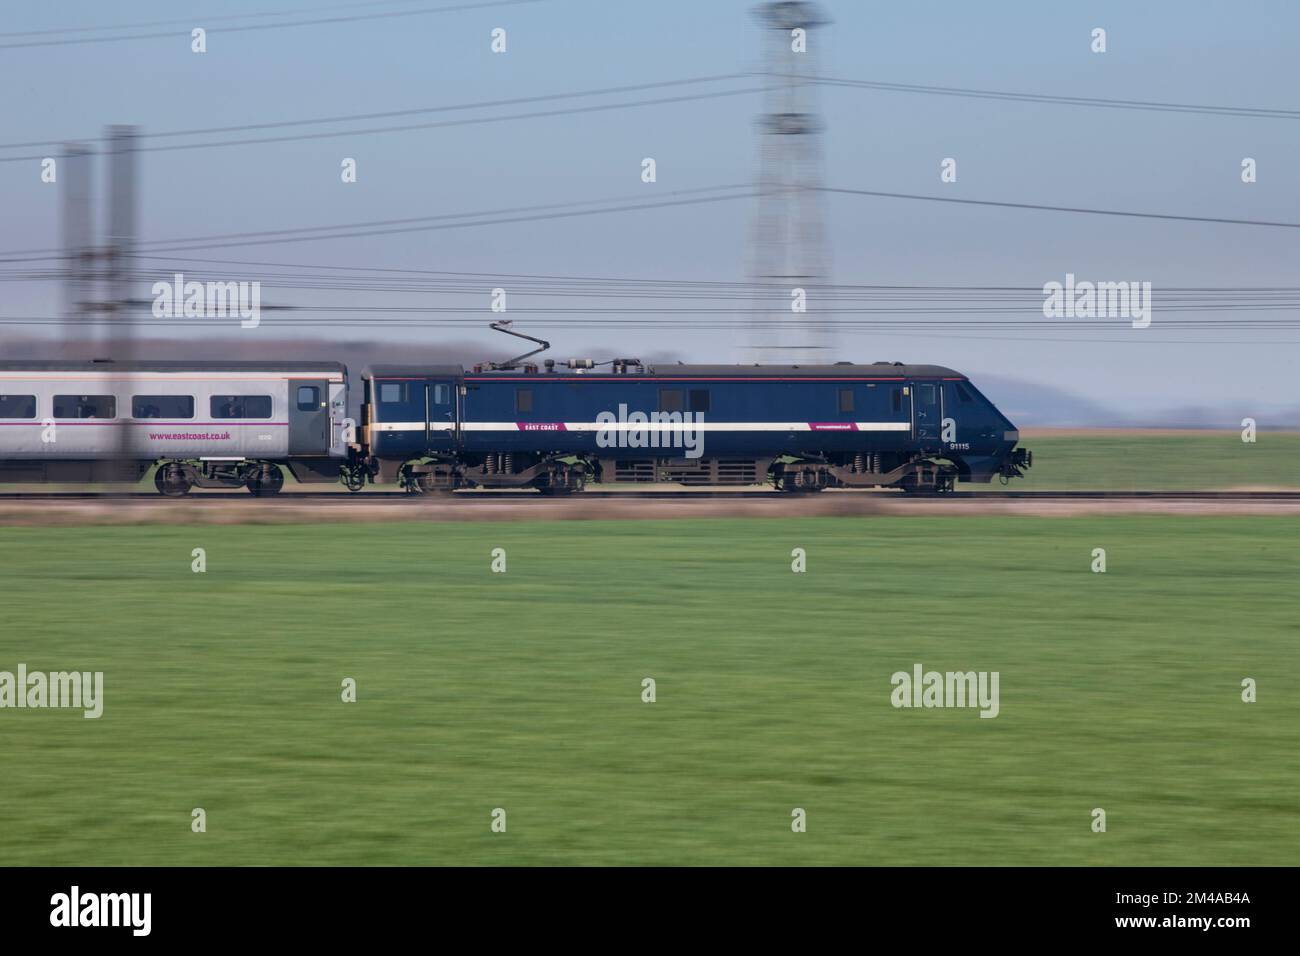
<point>206,424</point>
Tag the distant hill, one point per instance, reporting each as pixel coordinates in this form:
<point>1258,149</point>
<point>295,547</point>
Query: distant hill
<point>1032,404</point>
<point>1027,403</point>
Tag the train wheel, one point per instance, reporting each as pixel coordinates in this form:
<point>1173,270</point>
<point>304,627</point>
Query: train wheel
<point>792,489</point>
<point>577,482</point>
<point>266,481</point>
<point>792,483</point>
<point>170,480</point>
<point>425,486</point>
<point>354,479</point>
<point>558,492</point>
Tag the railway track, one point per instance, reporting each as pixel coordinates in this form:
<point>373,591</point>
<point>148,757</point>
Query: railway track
<point>328,498</point>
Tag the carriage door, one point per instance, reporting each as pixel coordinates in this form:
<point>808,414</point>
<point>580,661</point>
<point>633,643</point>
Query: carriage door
<point>440,415</point>
<point>927,411</point>
<point>309,416</point>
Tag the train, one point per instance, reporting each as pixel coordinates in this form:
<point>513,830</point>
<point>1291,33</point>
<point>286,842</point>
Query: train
<point>549,427</point>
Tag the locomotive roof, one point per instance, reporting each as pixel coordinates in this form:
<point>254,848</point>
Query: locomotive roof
<point>108,365</point>
<point>879,369</point>
<point>840,369</point>
<point>414,371</point>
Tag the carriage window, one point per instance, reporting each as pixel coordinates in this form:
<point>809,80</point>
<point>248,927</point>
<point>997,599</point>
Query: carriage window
<point>441,395</point>
<point>162,406</point>
<point>523,399</point>
<point>85,406</point>
<point>699,399</point>
<point>17,406</point>
<point>962,393</point>
<point>846,400</point>
<point>896,396</point>
<point>308,398</point>
<point>670,400</point>
<point>926,394</point>
<point>240,406</point>
<point>392,393</point>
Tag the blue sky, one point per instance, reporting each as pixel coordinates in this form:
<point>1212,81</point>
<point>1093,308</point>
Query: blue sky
<point>1219,53</point>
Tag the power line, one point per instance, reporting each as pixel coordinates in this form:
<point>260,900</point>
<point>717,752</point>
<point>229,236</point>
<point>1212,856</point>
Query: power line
<point>425,223</point>
<point>421,219</point>
<point>1074,209</point>
<point>963,290</point>
<point>1025,337</point>
<point>483,222</point>
<point>920,301</point>
<point>74,41</point>
<point>389,114</point>
<point>940,298</point>
<point>1084,101</point>
<point>472,121</point>
<point>207,19</point>
<point>474,321</point>
<point>351,230</point>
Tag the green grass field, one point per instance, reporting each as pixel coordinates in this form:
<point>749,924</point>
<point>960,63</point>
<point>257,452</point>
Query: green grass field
<point>523,691</point>
<point>1099,461</point>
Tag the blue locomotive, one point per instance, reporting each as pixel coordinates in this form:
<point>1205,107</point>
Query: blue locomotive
<point>509,425</point>
<point>801,428</point>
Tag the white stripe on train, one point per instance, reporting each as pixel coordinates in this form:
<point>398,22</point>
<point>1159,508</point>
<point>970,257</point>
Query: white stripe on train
<point>651,426</point>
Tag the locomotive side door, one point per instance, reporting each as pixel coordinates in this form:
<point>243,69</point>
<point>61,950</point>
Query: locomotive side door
<point>440,418</point>
<point>927,411</point>
<point>309,416</point>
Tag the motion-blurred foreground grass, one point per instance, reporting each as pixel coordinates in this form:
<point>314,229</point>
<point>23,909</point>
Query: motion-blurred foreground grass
<point>523,691</point>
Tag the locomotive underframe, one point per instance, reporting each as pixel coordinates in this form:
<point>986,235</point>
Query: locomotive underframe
<point>563,474</point>
<point>177,477</point>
